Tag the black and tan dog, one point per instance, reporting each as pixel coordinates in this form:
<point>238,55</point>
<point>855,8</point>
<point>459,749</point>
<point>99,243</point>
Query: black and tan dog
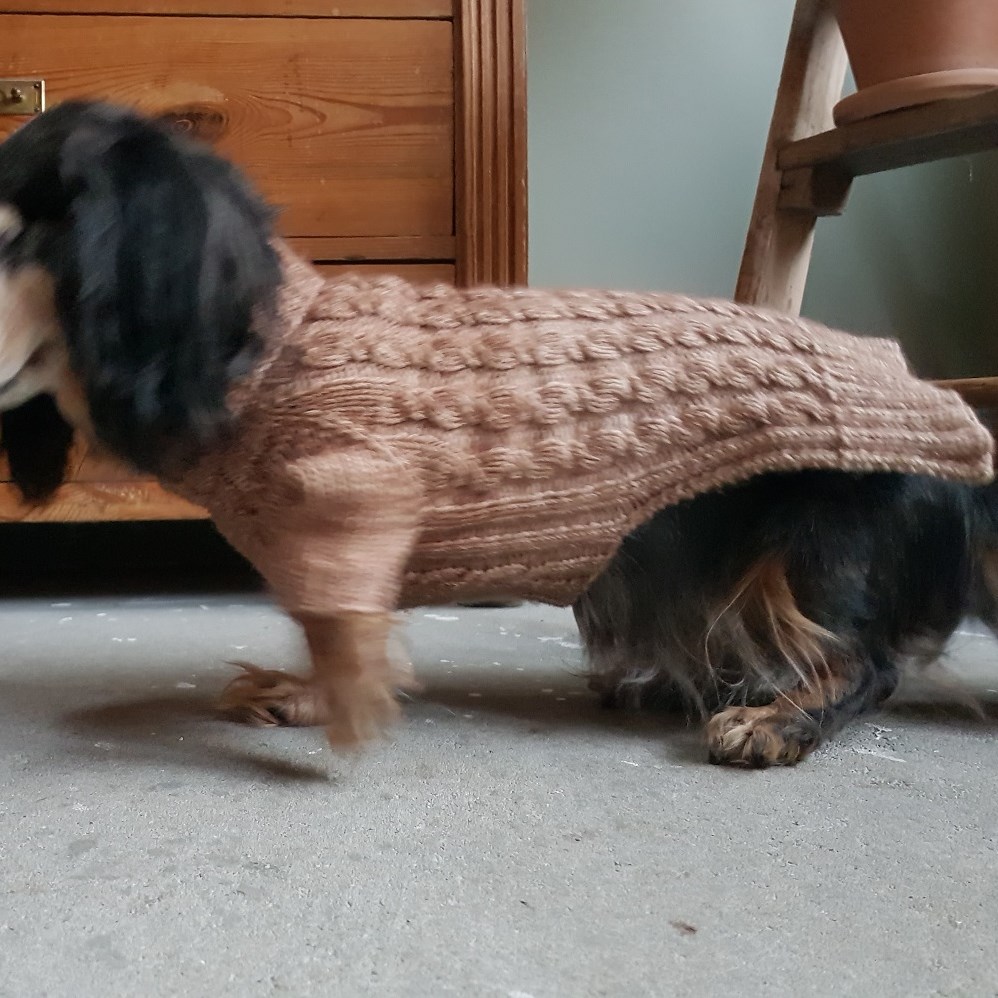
<point>132,266</point>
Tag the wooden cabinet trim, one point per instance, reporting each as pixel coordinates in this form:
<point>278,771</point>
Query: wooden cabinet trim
<point>491,150</point>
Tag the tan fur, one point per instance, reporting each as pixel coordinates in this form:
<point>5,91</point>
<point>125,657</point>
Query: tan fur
<point>32,353</point>
<point>71,400</point>
<point>777,734</point>
<point>772,618</point>
<point>751,736</point>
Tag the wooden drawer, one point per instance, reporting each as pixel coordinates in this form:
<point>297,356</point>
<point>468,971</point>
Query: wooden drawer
<point>345,124</point>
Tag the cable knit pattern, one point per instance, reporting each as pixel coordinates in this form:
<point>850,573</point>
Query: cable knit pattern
<point>407,446</point>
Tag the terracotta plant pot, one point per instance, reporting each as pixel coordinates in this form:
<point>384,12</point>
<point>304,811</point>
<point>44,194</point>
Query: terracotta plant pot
<point>908,52</point>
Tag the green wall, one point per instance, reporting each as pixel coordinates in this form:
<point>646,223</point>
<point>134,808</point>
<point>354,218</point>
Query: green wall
<point>647,120</point>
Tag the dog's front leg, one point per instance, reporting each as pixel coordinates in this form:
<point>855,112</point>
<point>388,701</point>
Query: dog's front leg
<point>334,557</point>
<point>351,674</point>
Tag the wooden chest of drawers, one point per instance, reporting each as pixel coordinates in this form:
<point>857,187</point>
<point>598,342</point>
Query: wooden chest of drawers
<point>389,133</point>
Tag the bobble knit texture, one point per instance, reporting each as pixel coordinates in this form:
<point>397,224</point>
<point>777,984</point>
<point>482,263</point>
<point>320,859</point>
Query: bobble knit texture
<point>403,446</point>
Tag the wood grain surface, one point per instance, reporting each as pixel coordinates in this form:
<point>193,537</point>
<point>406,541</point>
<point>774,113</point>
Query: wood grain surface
<point>345,125</point>
<point>96,502</point>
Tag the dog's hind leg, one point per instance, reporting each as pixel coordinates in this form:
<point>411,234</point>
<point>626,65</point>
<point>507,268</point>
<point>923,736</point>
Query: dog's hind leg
<point>784,607</point>
<point>879,578</point>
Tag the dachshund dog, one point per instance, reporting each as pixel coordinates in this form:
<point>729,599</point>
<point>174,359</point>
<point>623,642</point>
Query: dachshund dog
<point>138,279</point>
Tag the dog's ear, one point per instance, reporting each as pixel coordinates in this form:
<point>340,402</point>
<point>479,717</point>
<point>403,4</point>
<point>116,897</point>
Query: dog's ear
<point>163,264</point>
<point>36,440</point>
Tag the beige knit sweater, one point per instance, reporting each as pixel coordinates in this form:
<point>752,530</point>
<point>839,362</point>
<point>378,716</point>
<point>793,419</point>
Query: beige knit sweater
<point>402,446</point>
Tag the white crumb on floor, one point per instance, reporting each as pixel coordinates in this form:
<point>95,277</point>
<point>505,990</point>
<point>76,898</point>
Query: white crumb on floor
<point>879,755</point>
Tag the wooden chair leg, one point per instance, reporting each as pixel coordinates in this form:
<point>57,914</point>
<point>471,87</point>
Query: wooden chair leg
<point>778,245</point>
<point>982,393</point>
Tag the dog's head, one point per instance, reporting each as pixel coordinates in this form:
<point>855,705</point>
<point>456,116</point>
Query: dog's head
<point>134,266</point>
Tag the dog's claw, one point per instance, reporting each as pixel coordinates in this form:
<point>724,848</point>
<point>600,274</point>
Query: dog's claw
<point>268,697</point>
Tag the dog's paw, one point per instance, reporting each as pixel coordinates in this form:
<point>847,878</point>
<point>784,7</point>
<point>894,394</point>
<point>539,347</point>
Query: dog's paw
<point>267,697</point>
<point>760,736</point>
<point>360,711</point>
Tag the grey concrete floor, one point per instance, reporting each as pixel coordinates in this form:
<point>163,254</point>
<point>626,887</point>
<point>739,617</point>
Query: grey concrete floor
<point>512,839</point>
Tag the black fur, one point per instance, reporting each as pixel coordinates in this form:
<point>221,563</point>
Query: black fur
<point>162,262</point>
<point>36,440</point>
<point>886,567</point>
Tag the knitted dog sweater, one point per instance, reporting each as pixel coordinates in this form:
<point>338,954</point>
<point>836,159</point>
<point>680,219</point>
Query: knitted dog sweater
<point>400,446</point>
